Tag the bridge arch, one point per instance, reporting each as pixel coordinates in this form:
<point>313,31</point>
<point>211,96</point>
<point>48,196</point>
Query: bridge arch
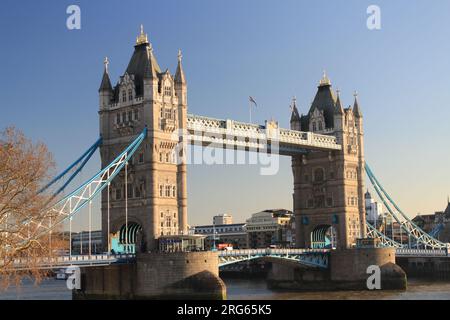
<point>324,236</point>
<point>127,239</point>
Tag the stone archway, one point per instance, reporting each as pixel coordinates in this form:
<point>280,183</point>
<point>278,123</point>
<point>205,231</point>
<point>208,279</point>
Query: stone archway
<point>128,239</point>
<point>324,237</point>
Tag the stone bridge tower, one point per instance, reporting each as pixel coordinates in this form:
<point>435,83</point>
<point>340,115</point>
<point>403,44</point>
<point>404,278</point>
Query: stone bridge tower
<point>153,195</point>
<point>329,186</point>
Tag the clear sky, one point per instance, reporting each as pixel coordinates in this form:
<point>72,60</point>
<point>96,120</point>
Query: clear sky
<point>271,50</point>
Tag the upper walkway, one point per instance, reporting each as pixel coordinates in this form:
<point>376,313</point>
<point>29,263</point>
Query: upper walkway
<point>232,134</point>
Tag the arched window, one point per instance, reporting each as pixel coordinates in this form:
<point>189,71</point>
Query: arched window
<point>130,95</point>
<point>124,96</point>
<point>318,174</point>
<point>320,125</point>
<point>314,126</point>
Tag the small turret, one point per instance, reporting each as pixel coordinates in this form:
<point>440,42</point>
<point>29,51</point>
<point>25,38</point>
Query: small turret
<point>295,117</point>
<point>179,74</point>
<point>356,109</point>
<point>106,82</point>
<point>105,90</point>
<point>338,109</point>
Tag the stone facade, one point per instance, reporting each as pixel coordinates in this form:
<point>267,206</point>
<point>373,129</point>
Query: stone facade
<point>329,186</point>
<point>153,194</point>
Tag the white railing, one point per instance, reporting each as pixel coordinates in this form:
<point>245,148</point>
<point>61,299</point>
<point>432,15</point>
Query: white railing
<point>401,252</point>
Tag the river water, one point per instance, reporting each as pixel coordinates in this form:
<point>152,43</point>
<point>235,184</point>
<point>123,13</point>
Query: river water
<point>242,289</point>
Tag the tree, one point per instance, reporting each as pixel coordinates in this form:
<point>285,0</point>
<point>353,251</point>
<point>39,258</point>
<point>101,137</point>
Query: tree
<point>24,168</point>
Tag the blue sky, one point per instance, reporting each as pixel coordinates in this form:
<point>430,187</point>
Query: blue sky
<point>271,50</point>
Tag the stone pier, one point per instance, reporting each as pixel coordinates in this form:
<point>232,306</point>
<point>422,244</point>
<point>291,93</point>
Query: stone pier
<point>347,271</point>
<point>155,276</point>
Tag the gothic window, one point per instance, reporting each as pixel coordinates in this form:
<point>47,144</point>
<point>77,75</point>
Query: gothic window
<point>161,190</point>
<point>331,174</point>
<point>314,126</point>
<point>124,117</point>
<point>160,157</point>
<point>306,178</point>
<point>167,91</point>
<point>329,201</point>
<point>118,194</point>
<point>162,215</point>
<point>320,201</point>
<point>168,113</point>
<point>167,191</point>
<point>174,214</point>
<point>137,192</point>
<point>129,190</point>
<point>320,125</point>
<point>124,96</point>
<point>118,118</point>
<point>167,157</point>
<point>130,115</point>
<point>130,95</point>
<point>318,175</point>
<point>173,192</point>
<point>136,115</point>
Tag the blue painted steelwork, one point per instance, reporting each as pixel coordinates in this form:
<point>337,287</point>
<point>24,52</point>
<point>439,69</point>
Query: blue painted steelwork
<point>86,156</point>
<point>68,206</point>
<point>437,230</point>
<point>385,241</point>
<point>411,229</point>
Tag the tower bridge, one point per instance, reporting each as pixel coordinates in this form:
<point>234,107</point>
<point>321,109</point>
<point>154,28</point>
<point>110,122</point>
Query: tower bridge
<point>145,128</point>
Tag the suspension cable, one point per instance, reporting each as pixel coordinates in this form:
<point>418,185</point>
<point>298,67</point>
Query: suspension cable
<point>126,206</point>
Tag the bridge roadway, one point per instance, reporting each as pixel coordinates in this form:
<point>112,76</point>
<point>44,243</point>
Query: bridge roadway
<point>314,258</point>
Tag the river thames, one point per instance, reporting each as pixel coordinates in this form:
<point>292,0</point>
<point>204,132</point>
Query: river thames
<point>242,289</point>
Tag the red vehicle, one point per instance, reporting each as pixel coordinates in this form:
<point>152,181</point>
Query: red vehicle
<point>224,246</point>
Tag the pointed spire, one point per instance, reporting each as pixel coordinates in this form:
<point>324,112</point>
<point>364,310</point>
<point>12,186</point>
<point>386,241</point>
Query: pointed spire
<point>338,109</point>
<point>149,68</point>
<point>106,83</point>
<point>294,116</point>
<point>179,74</point>
<point>356,109</point>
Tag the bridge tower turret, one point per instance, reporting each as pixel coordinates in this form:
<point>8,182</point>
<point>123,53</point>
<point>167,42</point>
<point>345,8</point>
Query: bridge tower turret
<point>152,196</point>
<point>329,186</point>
